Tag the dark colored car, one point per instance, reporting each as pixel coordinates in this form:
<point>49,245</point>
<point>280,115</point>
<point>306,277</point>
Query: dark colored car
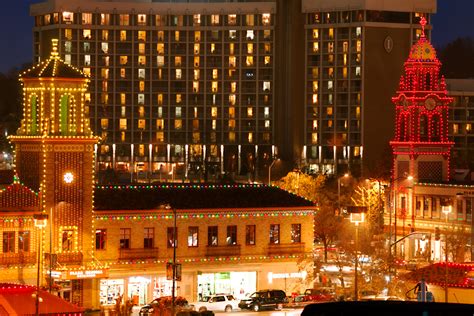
<point>265,299</point>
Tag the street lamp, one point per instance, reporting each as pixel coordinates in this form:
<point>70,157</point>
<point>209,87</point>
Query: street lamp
<point>346,175</point>
<point>357,217</point>
<point>446,210</point>
<point>40,220</point>
<point>270,170</point>
<point>394,182</point>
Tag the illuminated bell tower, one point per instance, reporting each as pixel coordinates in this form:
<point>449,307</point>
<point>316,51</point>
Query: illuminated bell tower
<point>54,149</point>
<point>421,147</point>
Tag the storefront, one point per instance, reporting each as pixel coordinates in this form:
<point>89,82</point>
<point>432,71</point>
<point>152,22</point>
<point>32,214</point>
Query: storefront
<point>137,289</point>
<point>110,290</point>
<point>162,286</point>
<point>239,284</point>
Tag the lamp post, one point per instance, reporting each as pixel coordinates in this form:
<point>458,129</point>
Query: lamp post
<point>393,236</point>
<point>357,217</point>
<point>40,220</point>
<point>346,175</point>
<point>270,170</point>
<point>446,210</point>
<point>173,286</point>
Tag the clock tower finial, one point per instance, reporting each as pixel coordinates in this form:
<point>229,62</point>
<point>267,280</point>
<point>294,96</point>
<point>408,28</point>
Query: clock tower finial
<point>423,24</point>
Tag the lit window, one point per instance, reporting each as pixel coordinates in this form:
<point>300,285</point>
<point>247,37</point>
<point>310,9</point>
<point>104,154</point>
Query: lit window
<point>178,73</point>
<point>213,48</point>
<point>267,60</point>
<point>104,123</point>
<point>267,34</point>
<point>104,73</point>
<point>344,72</point>
<point>345,47</point>
<point>86,34</point>
<point>315,33</point>
<point>197,36</point>
<point>266,86</point>
<point>357,72</point>
<point>214,87</point>
<point>176,36</point>
<point>315,47</point>
<point>141,48</point>
<point>122,73</point>
<point>455,128</point>
<point>86,71</point>
<point>214,125</point>
<point>331,33</point>
<point>86,18</point>
<point>160,61</point>
<point>358,46</point>
<point>160,48</point>
<point>68,17</point>
<point>124,19</point>
<point>123,35</point>
<point>233,87</point>
<point>141,19</point>
<point>329,110</point>
<point>104,19</point>
<point>215,19</point>
<point>330,85</point>
<point>266,112</point>
<point>315,124</point>
<point>141,86</point>
<point>232,61</point>
<point>68,34</point>
<point>123,124</point>
<point>231,48</point>
<point>231,137</point>
<point>250,137</point>
<point>266,18</point>
<point>330,47</point>
<point>249,48</point>
<point>123,98</point>
<point>67,47</point>
<point>142,35</point>
<point>141,101</point>
<point>160,111</point>
<point>315,86</point>
<point>195,86</point>
<point>87,60</point>
<point>177,124</point>
<point>249,111</point>
<point>232,34</point>
<point>315,99</point>
<point>250,19</point>
<point>215,73</point>
<point>105,35</point>
<point>141,124</point>
<point>196,74</point>
<point>358,31</point>
<point>197,19</point>
<point>232,19</point>
<point>179,99</point>
<point>141,60</point>
<point>196,61</point>
<point>267,124</point>
<point>231,124</point>
<point>232,99</point>
<point>161,36</point>
<point>105,47</point>
<point>250,35</point>
<point>232,113</point>
<point>249,61</point>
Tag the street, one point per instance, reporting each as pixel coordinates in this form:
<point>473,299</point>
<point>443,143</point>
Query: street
<point>284,312</point>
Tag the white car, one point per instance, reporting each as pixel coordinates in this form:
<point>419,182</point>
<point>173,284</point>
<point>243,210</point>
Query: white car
<point>218,303</point>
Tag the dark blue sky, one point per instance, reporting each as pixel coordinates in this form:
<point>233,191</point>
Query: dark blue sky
<point>454,19</point>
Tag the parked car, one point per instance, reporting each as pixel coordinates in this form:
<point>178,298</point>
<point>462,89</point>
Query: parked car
<point>265,299</point>
<point>217,302</point>
<point>148,309</point>
<point>320,295</point>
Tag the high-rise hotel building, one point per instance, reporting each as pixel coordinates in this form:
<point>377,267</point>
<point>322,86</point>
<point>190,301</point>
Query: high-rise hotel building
<point>223,86</point>
<point>354,52</point>
<point>174,85</point>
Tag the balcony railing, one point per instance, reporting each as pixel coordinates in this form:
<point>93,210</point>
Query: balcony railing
<point>281,249</point>
<point>233,250</point>
<point>138,253</point>
<point>69,258</point>
<point>17,258</point>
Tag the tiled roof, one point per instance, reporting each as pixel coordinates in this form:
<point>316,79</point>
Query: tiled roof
<point>188,196</point>
<point>53,67</point>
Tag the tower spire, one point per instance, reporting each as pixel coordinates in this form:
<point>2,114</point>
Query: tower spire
<point>423,24</point>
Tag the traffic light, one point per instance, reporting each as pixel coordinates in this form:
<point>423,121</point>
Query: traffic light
<point>437,233</point>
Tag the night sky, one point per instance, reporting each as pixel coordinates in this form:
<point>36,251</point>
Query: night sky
<point>454,19</point>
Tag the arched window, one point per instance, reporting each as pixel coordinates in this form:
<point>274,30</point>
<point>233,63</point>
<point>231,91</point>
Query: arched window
<point>63,114</point>
<point>436,134</point>
<point>423,128</point>
<point>34,114</point>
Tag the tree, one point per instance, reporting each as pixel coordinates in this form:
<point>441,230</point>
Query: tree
<point>305,185</point>
<point>456,58</point>
<point>372,195</point>
<point>457,237</point>
<point>327,227</point>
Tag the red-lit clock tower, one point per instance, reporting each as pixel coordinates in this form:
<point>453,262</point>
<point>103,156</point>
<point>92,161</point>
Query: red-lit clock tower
<point>421,147</point>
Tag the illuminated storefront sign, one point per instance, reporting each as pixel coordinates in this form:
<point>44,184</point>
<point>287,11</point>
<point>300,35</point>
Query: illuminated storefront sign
<point>80,274</point>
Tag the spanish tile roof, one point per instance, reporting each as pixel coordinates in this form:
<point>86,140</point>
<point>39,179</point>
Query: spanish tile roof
<point>189,196</point>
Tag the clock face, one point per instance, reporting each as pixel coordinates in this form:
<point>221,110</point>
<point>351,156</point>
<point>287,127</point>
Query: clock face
<point>430,104</point>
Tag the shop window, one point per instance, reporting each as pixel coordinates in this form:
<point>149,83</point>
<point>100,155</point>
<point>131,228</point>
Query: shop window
<point>148,237</point>
<point>295,233</point>
<point>212,236</point>
<point>24,241</point>
<point>125,235</point>
<point>274,234</point>
<point>250,235</point>
<point>67,240</point>
<point>100,239</point>
<point>172,237</point>
<point>193,234</point>
<point>8,242</point>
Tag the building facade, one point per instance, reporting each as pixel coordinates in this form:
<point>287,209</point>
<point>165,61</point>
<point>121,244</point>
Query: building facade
<point>352,52</point>
<point>461,119</point>
<point>210,88</point>
<point>175,87</point>
<point>431,212</point>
